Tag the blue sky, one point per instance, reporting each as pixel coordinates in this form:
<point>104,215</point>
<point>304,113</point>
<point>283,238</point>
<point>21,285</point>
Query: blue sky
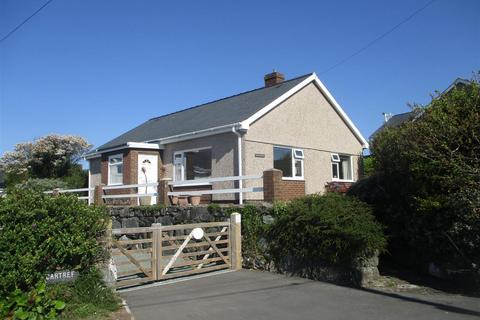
<point>98,68</point>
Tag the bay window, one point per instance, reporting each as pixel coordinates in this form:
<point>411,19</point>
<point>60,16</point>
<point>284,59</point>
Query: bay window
<point>192,164</point>
<point>290,161</point>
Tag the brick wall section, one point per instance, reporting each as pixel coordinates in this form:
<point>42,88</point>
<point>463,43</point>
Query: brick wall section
<point>338,186</point>
<point>130,172</point>
<point>277,189</point>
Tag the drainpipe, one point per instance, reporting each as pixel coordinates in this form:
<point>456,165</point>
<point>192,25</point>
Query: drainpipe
<point>239,148</point>
<point>89,185</point>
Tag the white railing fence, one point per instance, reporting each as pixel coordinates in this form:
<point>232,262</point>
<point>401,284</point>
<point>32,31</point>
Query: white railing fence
<point>131,195</point>
<point>90,191</point>
<point>79,190</point>
<point>186,183</point>
<point>91,196</point>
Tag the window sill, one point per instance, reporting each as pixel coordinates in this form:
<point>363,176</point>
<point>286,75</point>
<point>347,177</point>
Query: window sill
<point>293,178</point>
<point>115,184</point>
<point>341,180</point>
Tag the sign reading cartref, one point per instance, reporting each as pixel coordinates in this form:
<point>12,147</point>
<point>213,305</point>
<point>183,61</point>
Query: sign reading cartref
<point>62,276</point>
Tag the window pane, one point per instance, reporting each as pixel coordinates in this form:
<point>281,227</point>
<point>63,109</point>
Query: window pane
<point>116,174</point>
<point>298,168</point>
<point>335,170</point>
<point>335,157</point>
<point>114,160</point>
<point>198,164</point>
<point>178,172</point>
<point>282,160</point>
<point>345,168</point>
<point>298,154</point>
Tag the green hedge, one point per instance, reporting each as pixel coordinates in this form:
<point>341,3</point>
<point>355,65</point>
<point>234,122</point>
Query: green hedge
<point>332,228</point>
<point>426,183</point>
<point>42,234</point>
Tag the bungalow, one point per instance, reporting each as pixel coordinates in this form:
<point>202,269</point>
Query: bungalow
<point>295,126</point>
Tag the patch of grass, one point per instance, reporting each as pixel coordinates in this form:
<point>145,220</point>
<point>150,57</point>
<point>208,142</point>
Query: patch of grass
<point>87,297</point>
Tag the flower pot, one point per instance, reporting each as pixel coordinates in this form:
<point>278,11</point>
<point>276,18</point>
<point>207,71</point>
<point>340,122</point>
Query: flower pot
<point>174,200</point>
<point>145,201</point>
<point>183,201</point>
<point>195,200</point>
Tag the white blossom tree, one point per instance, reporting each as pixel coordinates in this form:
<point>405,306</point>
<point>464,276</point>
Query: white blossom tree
<point>51,156</point>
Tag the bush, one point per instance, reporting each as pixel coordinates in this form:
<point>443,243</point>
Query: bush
<point>42,234</point>
<point>332,229</point>
<point>426,184</point>
<point>35,304</point>
<point>41,185</point>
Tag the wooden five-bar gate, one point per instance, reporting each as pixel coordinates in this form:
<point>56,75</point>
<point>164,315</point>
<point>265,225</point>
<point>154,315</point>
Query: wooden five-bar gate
<point>159,252</point>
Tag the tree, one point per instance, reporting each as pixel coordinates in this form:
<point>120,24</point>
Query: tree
<point>426,182</point>
<point>49,157</point>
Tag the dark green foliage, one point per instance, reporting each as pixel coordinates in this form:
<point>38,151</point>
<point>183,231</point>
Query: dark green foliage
<point>331,228</point>
<point>38,303</point>
<point>42,234</point>
<point>427,180</point>
<point>252,226</point>
<point>252,230</point>
<point>76,177</point>
<point>368,166</point>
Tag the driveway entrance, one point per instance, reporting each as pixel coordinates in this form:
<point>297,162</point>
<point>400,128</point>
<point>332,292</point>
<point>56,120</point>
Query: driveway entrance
<point>255,295</point>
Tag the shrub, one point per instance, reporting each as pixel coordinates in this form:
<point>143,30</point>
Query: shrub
<point>35,304</point>
<point>41,185</point>
<point>426,184</point>
<point>332,228</point>
<point>42,234</point>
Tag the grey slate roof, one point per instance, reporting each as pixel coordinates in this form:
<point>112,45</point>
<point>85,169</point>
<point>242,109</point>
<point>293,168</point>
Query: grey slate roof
<point>394,122</point>
<point>217,113</point>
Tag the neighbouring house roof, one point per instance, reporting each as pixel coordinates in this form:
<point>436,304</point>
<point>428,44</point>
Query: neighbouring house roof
<point>241,109</point>
<point>395,121</point>
<point>401,118</point>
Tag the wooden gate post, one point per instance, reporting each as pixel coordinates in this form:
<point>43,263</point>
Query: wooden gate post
<point>236,241</point>
<point>156,251</point>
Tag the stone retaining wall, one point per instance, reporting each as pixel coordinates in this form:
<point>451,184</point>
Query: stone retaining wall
<point>131,217</point>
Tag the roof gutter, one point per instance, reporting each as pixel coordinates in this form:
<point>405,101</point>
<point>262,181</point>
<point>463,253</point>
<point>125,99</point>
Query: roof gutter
<point>200,133</point>
<point>129,145</point>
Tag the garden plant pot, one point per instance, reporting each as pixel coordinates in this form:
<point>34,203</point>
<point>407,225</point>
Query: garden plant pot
<point>183,201</point>
<point>145,201</point>
<point>195,200</point>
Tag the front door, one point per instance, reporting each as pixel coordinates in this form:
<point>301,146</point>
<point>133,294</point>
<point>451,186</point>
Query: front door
<point>147,173</point>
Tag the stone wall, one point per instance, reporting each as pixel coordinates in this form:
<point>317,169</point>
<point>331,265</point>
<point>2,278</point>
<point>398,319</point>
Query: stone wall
<point>131,217</point>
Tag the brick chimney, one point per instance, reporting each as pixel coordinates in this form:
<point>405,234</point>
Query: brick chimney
<point>273,78</point>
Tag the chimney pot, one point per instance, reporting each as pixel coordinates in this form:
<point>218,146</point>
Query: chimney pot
<point>273,78</point>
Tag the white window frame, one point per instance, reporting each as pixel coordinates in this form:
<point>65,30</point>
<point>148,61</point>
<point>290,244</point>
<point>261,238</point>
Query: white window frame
<point>118,155</point>
<point>335,160</point>
<point>182,152</point>
<point>295,157</point>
